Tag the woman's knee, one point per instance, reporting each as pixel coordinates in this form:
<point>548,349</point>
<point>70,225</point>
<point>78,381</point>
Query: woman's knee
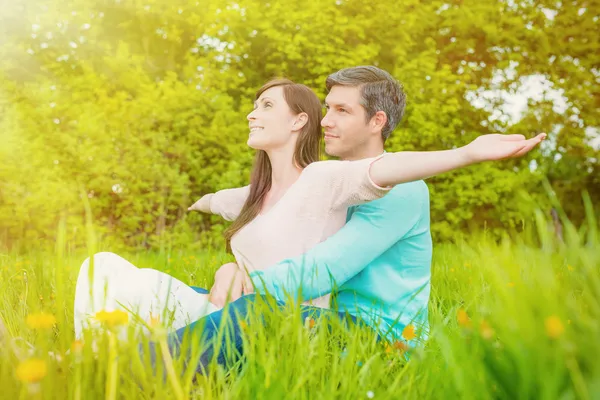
<point>107,258</point>
<point>99,258</point>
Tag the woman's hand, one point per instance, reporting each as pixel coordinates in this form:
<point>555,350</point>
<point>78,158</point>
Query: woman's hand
<point>497,147</point>
<point>228,285</point>
<point>202,205</point>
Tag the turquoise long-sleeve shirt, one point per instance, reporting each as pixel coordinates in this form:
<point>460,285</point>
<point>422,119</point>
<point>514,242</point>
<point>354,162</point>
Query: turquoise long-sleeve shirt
<point>377,267</point>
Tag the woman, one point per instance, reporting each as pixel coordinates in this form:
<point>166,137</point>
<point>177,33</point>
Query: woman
<point>292,203</point>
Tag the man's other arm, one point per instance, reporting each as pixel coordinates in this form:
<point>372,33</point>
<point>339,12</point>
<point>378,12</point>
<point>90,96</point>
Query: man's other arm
<point>373,229</point>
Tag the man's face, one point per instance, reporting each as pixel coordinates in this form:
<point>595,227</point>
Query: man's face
<point>345,125</point>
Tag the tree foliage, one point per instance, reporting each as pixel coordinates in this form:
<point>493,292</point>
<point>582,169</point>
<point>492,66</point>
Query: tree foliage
<point>142,105</point>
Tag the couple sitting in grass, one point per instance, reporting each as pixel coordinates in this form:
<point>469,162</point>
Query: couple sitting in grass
<point>356,229</point>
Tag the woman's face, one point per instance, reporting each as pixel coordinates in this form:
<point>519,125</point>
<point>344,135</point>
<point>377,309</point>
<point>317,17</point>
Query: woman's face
<point>272,122</point>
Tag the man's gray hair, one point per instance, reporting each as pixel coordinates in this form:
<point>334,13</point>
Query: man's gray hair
<point>379,91</point>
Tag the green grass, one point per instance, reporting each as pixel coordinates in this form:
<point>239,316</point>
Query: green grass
<point>533,332</point>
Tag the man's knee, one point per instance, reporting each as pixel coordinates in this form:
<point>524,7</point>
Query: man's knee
<point>209,325</point>
<point>242,306</point>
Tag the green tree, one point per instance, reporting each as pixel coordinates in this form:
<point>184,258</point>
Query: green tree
<point>143,104</point>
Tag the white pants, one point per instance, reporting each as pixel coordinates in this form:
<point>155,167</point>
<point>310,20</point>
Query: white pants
<point>147,293</point>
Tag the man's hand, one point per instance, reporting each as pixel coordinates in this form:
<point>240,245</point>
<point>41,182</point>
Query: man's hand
<point>228,285</point>
<point>247,285</point>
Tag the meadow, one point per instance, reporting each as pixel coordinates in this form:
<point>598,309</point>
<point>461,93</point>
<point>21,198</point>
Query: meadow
<point>138,108</point>
<point>512,319</point>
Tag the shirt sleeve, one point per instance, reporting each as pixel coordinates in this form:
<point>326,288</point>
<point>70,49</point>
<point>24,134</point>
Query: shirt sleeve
<point>228,203</point>
<point>372,230</point>
<point>347,183</point>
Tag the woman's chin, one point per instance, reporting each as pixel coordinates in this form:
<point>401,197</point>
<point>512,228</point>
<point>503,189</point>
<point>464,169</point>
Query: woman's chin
<point>254,144</point>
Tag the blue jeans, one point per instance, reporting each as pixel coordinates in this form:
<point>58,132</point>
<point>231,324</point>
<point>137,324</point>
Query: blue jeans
<point>237,314</point>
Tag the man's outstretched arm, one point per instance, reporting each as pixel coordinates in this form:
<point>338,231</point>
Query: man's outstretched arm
<point>372,230</point>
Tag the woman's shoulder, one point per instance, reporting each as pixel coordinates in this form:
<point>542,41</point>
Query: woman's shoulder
<point>326,165</point>
<point>321,167</point>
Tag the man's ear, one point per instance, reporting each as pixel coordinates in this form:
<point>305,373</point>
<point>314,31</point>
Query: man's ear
<point>300,121</point>
<point>378,121</point>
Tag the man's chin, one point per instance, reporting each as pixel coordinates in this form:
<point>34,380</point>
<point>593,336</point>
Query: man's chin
<point>332,151</point>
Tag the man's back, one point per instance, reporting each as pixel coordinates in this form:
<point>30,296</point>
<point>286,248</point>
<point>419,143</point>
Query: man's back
<point>378,265</point>
<point>392,291</point>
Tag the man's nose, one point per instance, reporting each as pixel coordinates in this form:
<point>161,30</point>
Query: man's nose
<point>326,122</point>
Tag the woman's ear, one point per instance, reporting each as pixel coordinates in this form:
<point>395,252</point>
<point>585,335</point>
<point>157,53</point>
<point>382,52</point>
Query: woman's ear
<point>300,121</point>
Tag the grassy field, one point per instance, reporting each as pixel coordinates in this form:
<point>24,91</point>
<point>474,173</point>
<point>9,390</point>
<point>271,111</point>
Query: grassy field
<point>512,320</point>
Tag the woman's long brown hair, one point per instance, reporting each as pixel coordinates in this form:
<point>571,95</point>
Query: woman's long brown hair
<point>299,98</point>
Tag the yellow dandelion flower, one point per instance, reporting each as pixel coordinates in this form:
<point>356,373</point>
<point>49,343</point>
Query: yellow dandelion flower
<point>463,318</point>
<point>408,332</point>
<point>388,349</point>
<point>112,318</point>
<point>511,284</point>
<point>570,267</point>
<point>41,321</point>
<point>400,345</point>
<point>243,325</point>
<point>309,323</point>
<point>77,346</point>
<point>451,269</point>
<point>32,370</point>
<point>154,321</point>
<point>554,327</point>
<point>486,330</point>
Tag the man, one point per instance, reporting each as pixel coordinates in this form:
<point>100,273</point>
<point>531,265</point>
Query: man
<point>378,264</point>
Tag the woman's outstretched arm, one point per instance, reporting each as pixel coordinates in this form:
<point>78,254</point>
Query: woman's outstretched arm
<point>202,205</point>
<point>408,166</point>
<point>227,203</point>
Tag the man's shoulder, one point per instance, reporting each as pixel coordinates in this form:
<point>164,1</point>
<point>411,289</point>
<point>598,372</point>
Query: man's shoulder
<point>416,191</point>
<point>412,195</point>
<point>416,188</point>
